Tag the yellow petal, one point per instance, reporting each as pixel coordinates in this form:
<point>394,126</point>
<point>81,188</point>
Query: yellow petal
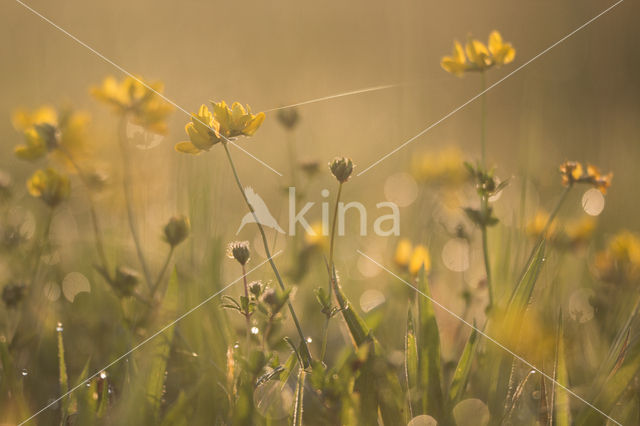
<point>253,125</point>
<point>187,147</point>
<point>477,53</point>
<point>495,42</point>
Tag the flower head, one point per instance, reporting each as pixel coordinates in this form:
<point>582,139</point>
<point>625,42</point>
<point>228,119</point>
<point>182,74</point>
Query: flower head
<point>177,230</point>
<point>48,130</point>
<point>203,131</point>
<point>341,168</point>
<point>236,120</point>
<point>12,294</point>
<point>142,101</point>
<point>536,226</point>
<point>404,248</point>
<point>620,260</point>
<point>573,172</point>
<point>50,186</point>
<point>476,56</point>
<point>125,281</point>
<point>239,250</point>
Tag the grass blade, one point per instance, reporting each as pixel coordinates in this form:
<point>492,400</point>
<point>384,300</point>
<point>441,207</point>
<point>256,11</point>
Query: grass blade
<point>463,369</point>
<point>297,409</point>
<point>561,407</point>
<point>63,379</point>
<point>411,361</point>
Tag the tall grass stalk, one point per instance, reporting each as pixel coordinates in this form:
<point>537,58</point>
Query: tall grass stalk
<point>303,344</point>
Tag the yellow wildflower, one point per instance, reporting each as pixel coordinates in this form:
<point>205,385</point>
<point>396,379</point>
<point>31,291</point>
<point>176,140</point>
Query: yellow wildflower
<point>50,186</point>
<point>139,100</point>
<point>573,172</point>
<point>478,56</point>
<point>419,258</point>
<point>457,62</point>
<point>580,231</point>
<point>403,253</point>
<point>316,237</point>
<point>502,53</point>
<point>444,167</point>
<point>236,121</point>
<point>203,132</point>
<point>46,130</point>
<point>620,261</point>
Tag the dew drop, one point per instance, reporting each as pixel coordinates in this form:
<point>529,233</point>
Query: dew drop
<point>24,372</point>
<point>254,330</point>
<point>194,354</point>
<point>309,340</point>
<point>103,375</point>
<point>59,327</point>
<point>236,346</point>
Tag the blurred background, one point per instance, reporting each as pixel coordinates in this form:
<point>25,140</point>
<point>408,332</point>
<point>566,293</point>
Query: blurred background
<point>578,101</point>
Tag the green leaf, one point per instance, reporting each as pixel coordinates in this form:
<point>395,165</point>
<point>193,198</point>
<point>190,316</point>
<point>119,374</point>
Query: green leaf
<point>561,403</point>
<point>463,369</point>
<point>11,384</point>
<point>429,363</point>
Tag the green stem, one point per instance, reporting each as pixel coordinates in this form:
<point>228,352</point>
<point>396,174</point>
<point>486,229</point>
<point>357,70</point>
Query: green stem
<point>485,252</point>
<point>126,181</point>
<point>163,271</point>
<point>325,333</point>
<point>305,348</point>
<point>45,241</point>
<point>247,314</point>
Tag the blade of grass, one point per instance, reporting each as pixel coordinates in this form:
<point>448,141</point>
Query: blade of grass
<point>297,409</point>
<point>561,407</point>
<point>429,363</point>
<point>411,361</point>
<point>463,369</point>
<point>63,379</point>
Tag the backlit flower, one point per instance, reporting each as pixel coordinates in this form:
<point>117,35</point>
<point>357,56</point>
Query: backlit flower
<point>141,102</point>
<point>236,121</point>
<point>203,132</point>
<point>48,130</point>
<point>476,56</point>
<point>620,260</point>
<point>341,168</point>
<point>50,186</point>
<point>536,225</point>
<point>239,250</point>
<point>403,253</point>
<point>419,258</point>
<point>573,172</point>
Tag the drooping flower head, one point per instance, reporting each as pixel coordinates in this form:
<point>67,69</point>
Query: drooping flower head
<point>476,56</point>
<point>50,186</point>
<point>137,99</point>
<point>46,130</point>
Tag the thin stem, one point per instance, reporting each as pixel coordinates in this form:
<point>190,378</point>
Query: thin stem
<point>92,208</point>
<point>163,271</point>
<point>129,203</point>
<point>485,252</point>
<point>45,241</point>
<point>247,314</point>
<point>325,332</point>
<point>305,348</point>
<point>483,120</point>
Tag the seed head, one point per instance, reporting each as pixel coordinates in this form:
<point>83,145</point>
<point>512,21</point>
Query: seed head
<point>341,168</point>
<point>239,250</point>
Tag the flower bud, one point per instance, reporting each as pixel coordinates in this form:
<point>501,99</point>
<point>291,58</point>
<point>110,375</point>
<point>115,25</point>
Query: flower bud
<point>12,294</point>
<point>125,280</point>
<point>239,250</point>
<point>341,168</point>
<point>256,288</point>
<point>50,186</point>
<point>177,230</point>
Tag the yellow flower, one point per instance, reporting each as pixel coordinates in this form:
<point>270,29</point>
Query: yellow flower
<point>419,258</point>
<point>457,62</point>
<point>403,253</point>
<point>141,101</point>
<point>620,261</point>
<point>50,186</point>
<point>501,53</point>
<point>236,121</point>
<point>46,130</point>
<point>478,54</point>
<point>573,172</point>
<point>444,167</point>
<point>478,57</point>
<point>203,132</point>
<point>316,237</point>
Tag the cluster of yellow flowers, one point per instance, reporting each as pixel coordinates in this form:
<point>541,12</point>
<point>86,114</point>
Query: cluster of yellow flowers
<point>573,172</point>
<point>620,260</point>
<point>412,258</point>
<point>478,56</point>
<point>444,167</point>
<point>207,129</point>
<point>137,99</point>
<point>50,186</point>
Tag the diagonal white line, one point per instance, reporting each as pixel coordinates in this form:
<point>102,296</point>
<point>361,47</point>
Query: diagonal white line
<point>489,88</point>
<point>491,339</point>
<point>109,61</point>
<point>145,341</point>
<point>339,95</point>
